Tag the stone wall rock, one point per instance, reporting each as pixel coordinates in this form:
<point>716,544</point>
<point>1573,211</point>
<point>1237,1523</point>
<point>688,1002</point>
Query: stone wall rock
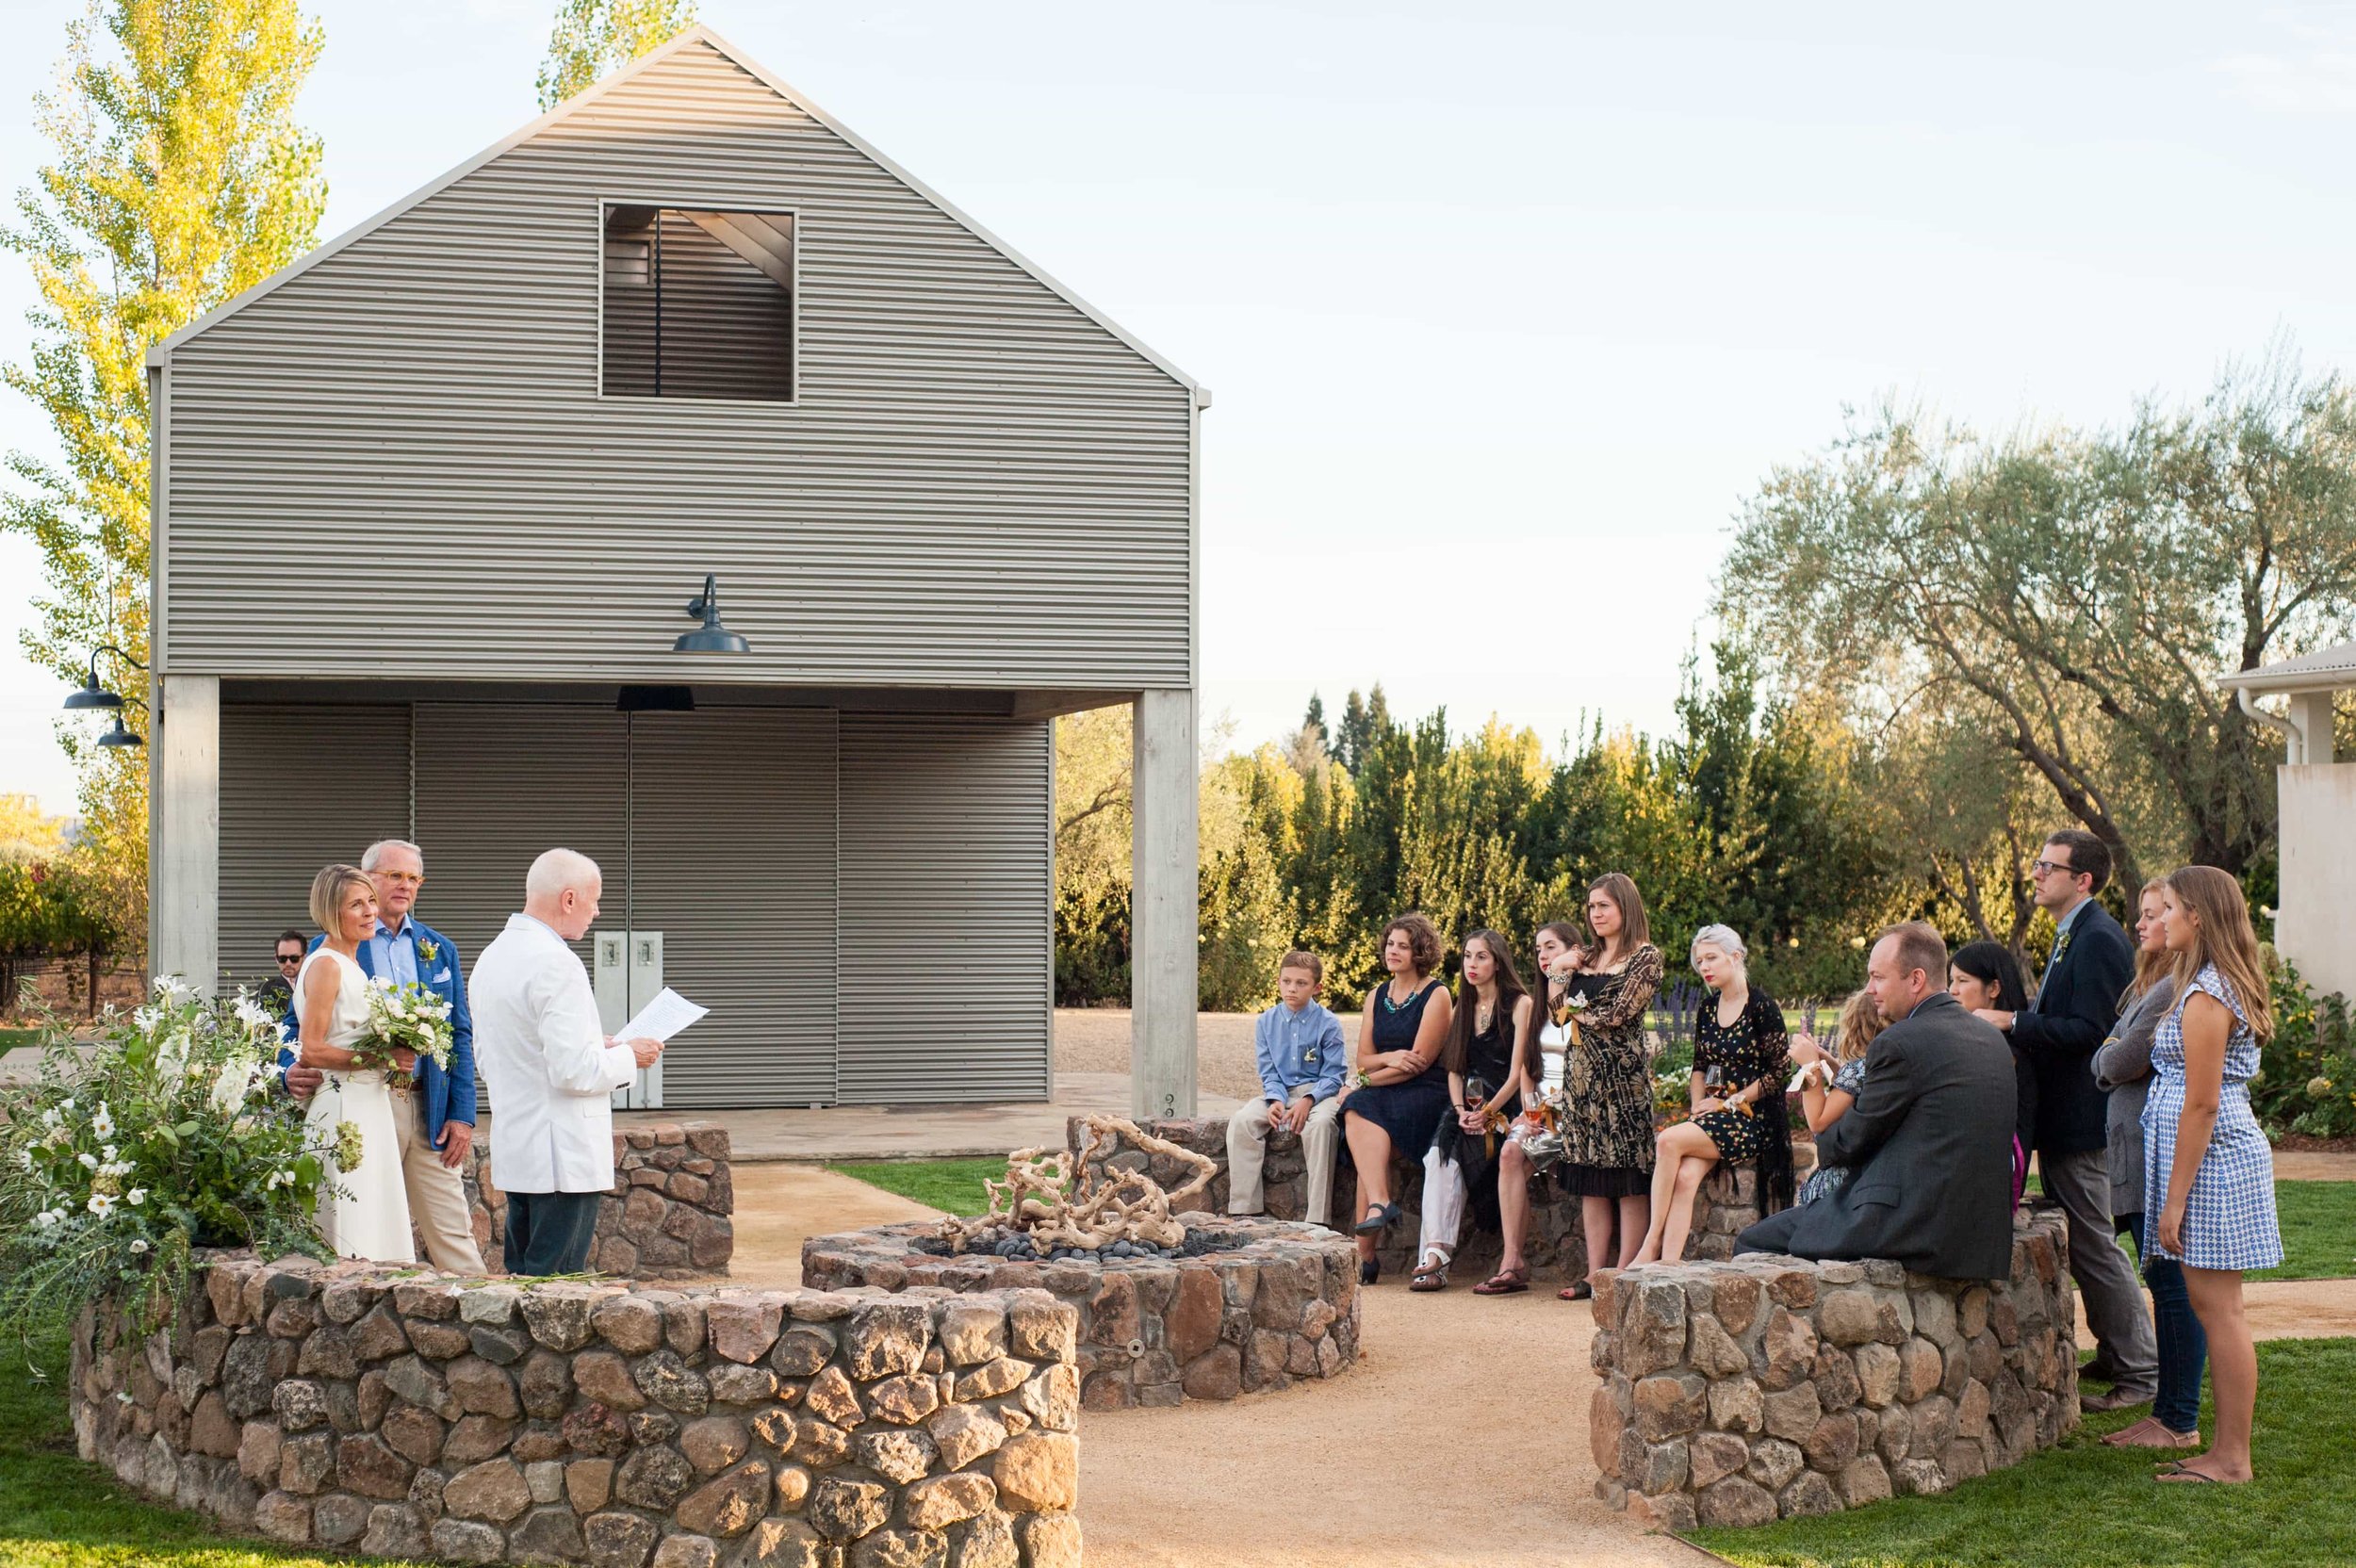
<point>1740,1392</point>
<point>630,1424</point>
<point>666,1218</point>
<point>1278,1307</point>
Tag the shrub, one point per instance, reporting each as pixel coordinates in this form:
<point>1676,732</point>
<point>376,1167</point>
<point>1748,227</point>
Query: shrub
<point>2306,1081</point>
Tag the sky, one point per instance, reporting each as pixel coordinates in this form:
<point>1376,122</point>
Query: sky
<point>1505,310</point>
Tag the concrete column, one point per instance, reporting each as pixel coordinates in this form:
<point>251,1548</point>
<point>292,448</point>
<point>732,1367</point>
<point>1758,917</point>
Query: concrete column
<point>184,863</point>
<point>2314,925</point>
<point>2311,713</point>
<point>1163,953</point>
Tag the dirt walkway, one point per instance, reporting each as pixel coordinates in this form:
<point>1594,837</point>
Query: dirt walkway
<point>2314,1165</point>
<point>778,1206</point>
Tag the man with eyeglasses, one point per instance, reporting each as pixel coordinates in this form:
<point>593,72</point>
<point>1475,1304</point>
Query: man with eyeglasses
<point>2077,1003</point>
<point>275,995</point>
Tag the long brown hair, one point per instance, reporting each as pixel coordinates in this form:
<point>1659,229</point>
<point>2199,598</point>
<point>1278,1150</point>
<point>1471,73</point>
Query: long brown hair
<point>2223,937</point>
<point>1458,1051</point>
<point>1635,930</point>
<point>2149,967</point>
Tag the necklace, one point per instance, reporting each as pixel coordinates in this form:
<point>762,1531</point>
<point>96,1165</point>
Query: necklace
<point>1391,1006</point>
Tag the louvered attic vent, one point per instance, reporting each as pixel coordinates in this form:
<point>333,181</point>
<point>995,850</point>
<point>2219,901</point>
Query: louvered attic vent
<point>698,304</point>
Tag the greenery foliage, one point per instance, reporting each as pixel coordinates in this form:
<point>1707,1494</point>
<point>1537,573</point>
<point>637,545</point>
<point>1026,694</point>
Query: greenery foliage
<point>178,179</point>
<point>953,1187</point>
<point>166,1137</point>
<point>2307,1080</point>
<point>593,37</point>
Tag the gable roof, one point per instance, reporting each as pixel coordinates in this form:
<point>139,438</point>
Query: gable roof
<point>161,352</point>
<point>2329,669</point>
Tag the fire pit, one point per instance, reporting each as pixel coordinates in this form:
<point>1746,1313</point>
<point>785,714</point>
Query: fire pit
<point>1172,1306</point>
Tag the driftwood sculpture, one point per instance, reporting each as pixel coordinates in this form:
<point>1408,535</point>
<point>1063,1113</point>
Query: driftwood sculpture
<point>1038,1199</point>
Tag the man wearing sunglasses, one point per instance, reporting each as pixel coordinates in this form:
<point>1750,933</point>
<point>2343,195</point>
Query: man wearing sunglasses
<point>275,995</point>
<point>2077,1003</point>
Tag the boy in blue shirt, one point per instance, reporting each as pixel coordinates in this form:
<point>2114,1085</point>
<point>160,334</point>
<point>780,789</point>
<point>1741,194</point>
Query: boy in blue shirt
<point>1302,1062</point>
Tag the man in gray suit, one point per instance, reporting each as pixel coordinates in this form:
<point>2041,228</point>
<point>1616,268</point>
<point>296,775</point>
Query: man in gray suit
<point>1929,1141</point>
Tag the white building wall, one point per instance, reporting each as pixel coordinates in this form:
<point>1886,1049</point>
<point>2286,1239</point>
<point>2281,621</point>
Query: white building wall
<point>2315,923</point>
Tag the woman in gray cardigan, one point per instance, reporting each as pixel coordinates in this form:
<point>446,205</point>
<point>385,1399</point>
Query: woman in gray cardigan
<point>2123,1067</point>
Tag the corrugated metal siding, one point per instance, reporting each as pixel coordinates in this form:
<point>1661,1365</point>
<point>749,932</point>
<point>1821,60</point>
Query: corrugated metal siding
<point>735,865</point>
<point>301,788</point>
<point>495,786</point>
<point>980,486</point>
<point>945,961</point>
<point>726,329</point>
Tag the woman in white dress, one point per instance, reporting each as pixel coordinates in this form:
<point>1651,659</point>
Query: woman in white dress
<point>364,1210</point>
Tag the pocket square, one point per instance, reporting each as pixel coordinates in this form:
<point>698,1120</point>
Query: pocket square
<point>442,978</point>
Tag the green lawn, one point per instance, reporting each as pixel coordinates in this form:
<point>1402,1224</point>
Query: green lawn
<point>2085,1505</point>
<point>11,1039</point>
<point>953,1187</point>
<point>2318,1221</point>
<point>58,1512</point>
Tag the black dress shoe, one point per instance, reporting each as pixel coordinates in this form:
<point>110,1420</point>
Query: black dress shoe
<point>1369,1271</point>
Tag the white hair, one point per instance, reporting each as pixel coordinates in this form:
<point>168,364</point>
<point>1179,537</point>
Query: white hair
<point>1722,938</point>
<point>557,869</point>
<point>376,852</point>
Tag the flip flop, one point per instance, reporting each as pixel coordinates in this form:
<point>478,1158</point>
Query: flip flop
<point>2179,1473</point>
<point>1582,1291</point>
<point>1505,1282</point>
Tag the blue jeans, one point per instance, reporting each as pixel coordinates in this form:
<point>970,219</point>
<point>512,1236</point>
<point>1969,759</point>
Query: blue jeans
<point>550,1233</point>
<point>2184,1349</point>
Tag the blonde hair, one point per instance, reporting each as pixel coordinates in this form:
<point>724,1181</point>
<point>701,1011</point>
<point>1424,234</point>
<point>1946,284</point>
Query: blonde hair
<point>2224,938</point>
<point>1861,1023</point>
<point>2150,966</point>
<point>1724,940</point>
<point>327,894</point>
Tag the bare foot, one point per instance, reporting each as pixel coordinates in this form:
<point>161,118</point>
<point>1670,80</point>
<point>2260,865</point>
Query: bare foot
<point>1643,1256</point>
<point>2133,1436</point>
<point>2205,1468</point>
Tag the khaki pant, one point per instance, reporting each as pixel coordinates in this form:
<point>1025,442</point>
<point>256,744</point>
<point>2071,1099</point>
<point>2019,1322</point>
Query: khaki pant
<point>438,1198</point>
<point>1247,1151</point>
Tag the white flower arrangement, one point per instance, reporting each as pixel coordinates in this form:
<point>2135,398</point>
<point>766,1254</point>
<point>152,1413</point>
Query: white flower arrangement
<point>405,1016</point>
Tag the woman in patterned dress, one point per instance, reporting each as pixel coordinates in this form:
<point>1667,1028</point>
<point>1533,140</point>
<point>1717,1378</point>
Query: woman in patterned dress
<point>1405,1091</point>
<point>2208,1173</point>
<point>1741,1043</point>
<point>1830,1084</point>
<point>1608,1148</point>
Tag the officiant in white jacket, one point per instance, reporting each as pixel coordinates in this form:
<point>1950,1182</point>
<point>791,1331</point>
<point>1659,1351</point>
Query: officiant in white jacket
<point>550,1068</point>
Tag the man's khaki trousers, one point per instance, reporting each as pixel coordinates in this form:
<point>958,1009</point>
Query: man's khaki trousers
<point>438,1198</point>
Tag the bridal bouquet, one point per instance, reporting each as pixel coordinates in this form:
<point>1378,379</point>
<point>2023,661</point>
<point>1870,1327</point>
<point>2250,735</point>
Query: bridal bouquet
<point>405,1015</point>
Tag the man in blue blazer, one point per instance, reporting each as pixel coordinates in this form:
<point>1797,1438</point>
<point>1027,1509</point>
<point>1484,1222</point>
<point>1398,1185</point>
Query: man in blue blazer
<point>435,1118</point>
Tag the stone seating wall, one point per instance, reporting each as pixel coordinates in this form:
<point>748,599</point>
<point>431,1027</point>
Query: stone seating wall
<point>1737,1393</point>
<point>370,1409</point>
<point>1557,1249</point>
<point>666,1218</point>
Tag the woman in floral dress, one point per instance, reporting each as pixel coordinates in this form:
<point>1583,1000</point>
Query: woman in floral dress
<point>1607,1139</point>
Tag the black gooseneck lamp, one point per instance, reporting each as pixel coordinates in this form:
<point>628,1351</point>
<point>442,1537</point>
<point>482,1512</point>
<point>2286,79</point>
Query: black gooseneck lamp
<point>711,637</point>
<point>93,698</point>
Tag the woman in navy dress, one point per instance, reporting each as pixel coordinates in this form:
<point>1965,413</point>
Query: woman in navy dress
<point>2209,1173</point>
<point>1404,1094</point>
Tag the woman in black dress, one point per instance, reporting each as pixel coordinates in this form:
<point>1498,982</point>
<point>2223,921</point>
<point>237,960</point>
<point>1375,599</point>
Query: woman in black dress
<point>1607,1137</point>
<point>1984,974</point>
<point>1404,1088</point>
<point>1491,1058</point>
<point>1741,1049</point>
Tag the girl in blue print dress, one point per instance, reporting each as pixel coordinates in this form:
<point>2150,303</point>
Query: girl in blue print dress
<point>2208,1173</point>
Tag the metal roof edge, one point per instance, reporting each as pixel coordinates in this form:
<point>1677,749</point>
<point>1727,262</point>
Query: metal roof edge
<point>161,353</point>
<point>786,91</point>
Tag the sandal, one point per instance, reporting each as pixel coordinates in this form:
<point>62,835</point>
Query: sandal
<point>1378,1218</point>
<point>1505,1282</point>
<point>1580,1291</point>
<point>1431,1274</point>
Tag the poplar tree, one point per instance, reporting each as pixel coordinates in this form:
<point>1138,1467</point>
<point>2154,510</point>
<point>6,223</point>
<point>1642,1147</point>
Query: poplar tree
<point>593,37</point>
<point>178,178</point>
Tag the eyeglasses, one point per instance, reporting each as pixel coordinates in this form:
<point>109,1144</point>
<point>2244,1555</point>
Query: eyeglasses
<point>2047,868</point>
<point>291,957</point>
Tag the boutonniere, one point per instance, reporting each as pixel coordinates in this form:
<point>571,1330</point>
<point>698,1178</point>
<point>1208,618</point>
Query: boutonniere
<point>2061,945</point>
<point>429,950</point>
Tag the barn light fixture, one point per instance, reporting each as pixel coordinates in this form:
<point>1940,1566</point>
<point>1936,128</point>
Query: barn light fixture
<point>93,698</point>
<point>712,637</point>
